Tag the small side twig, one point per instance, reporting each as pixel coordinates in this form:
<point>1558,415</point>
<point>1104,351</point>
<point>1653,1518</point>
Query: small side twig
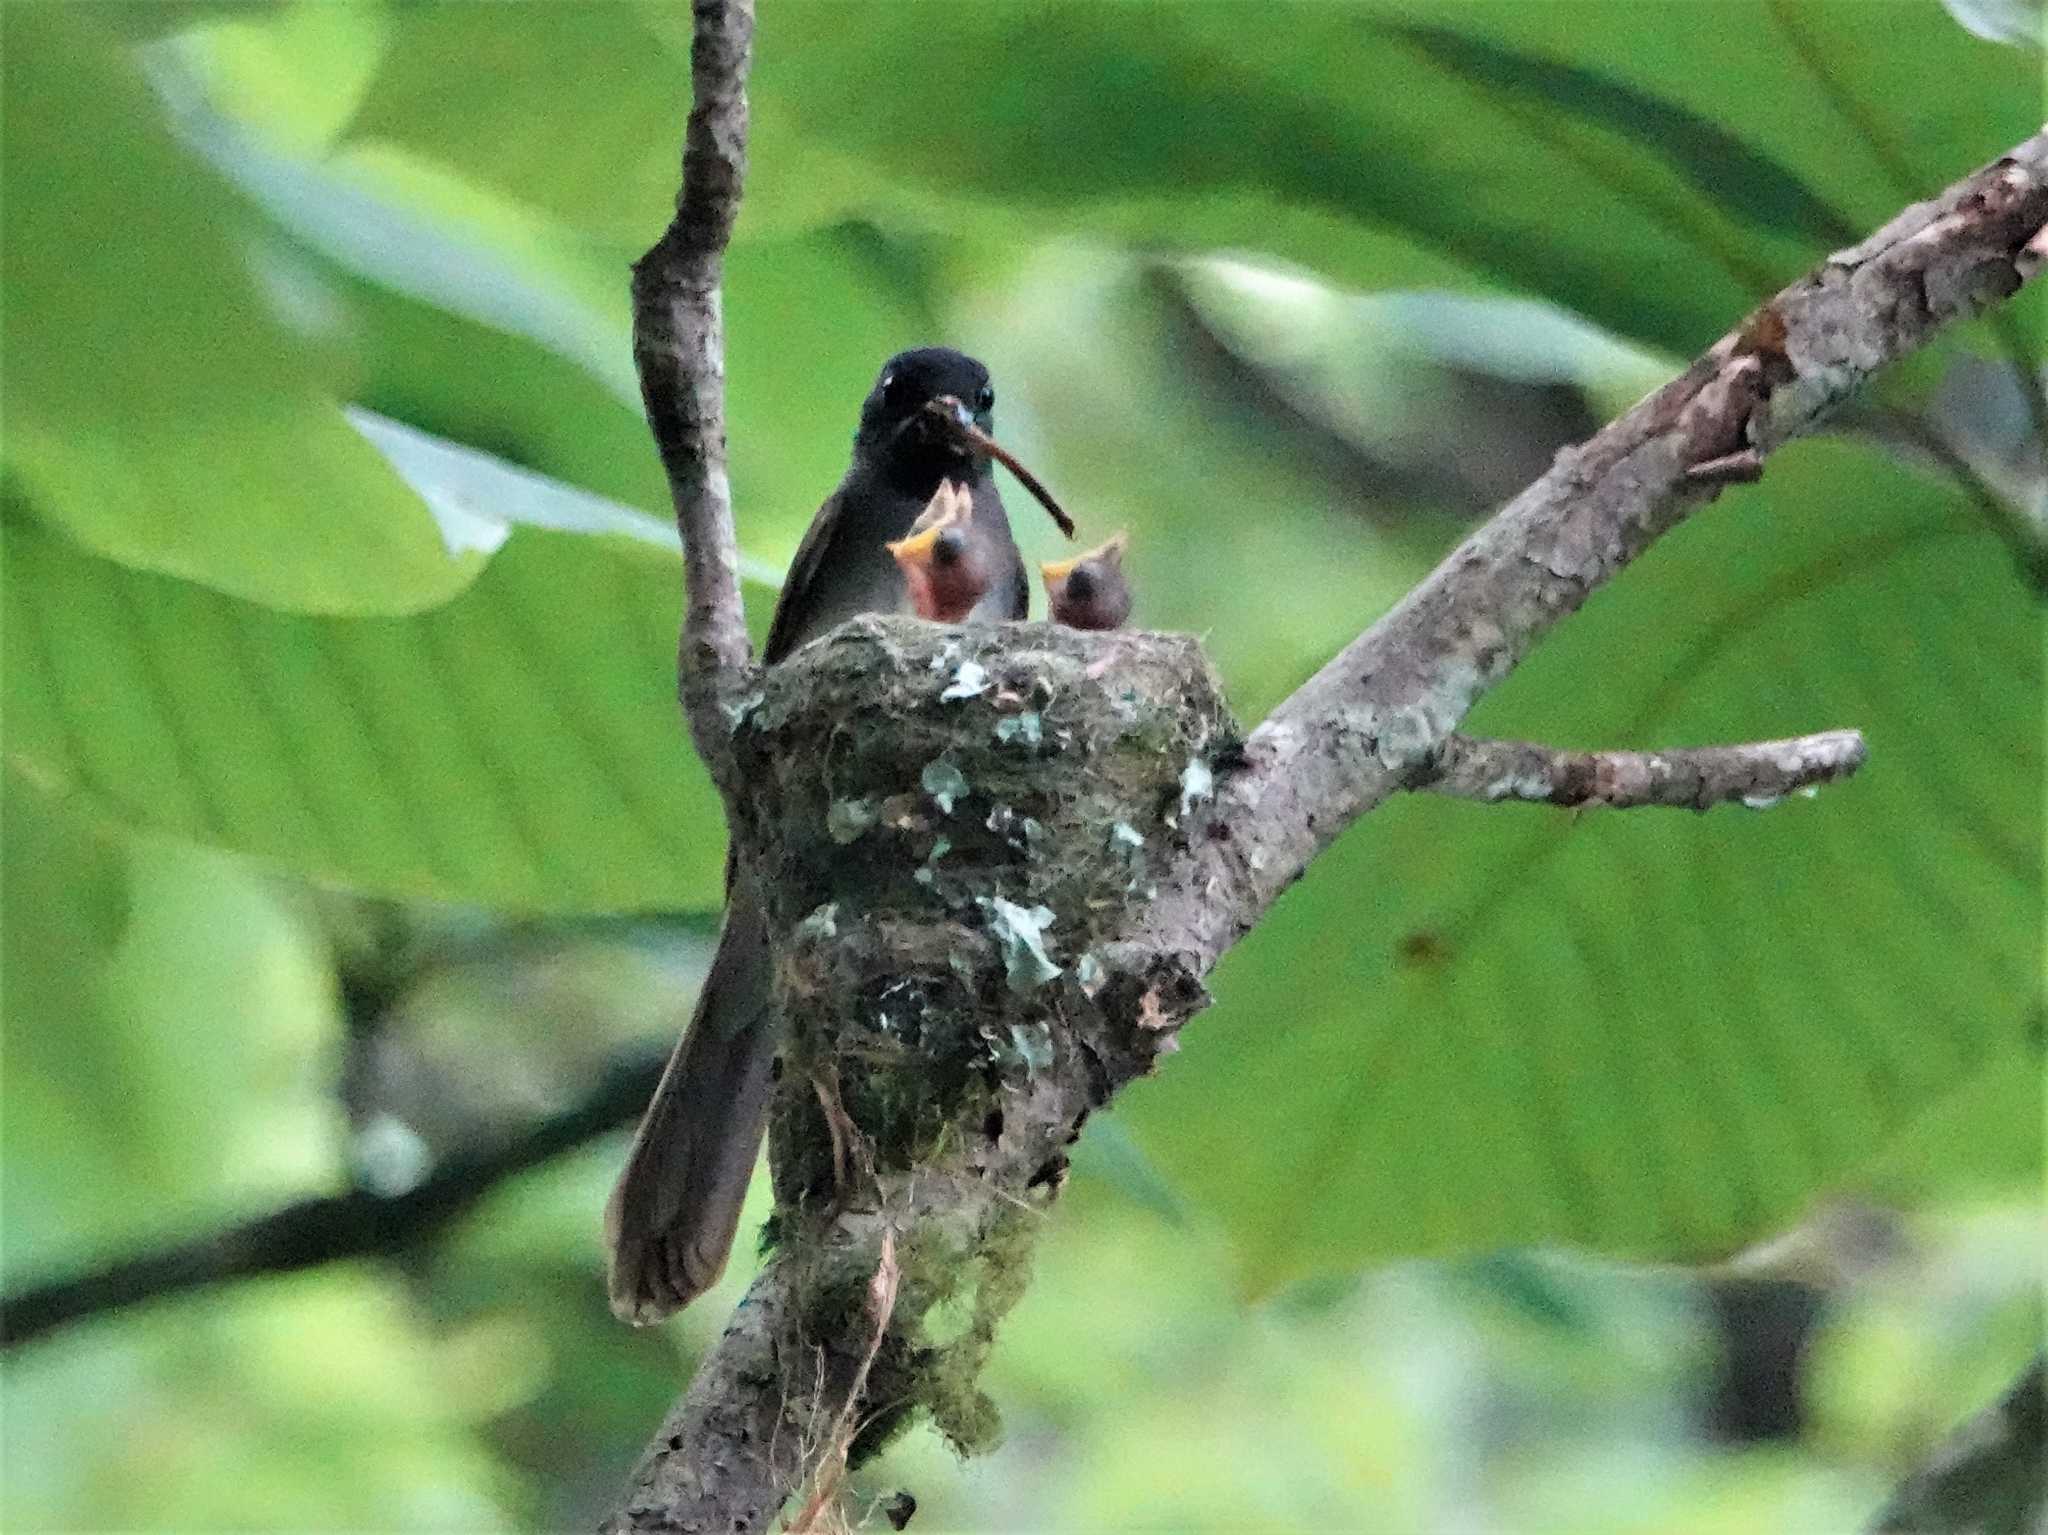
<point>1755,773</point>
<point>1745,467</point>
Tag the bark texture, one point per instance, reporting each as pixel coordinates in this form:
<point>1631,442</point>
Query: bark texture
<point>1757,773</point>
<point>679,350</point>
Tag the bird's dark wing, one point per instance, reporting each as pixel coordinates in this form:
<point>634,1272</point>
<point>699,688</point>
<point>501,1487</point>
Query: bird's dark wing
<point>792,609</point>
<point>1010,584</point>
<point>1020,593</point>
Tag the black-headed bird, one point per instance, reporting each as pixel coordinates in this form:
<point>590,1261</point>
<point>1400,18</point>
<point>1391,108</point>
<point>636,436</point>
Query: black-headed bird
<point>670,1222</point>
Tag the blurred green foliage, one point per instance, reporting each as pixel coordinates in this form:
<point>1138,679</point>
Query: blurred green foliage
<point>337,564</point>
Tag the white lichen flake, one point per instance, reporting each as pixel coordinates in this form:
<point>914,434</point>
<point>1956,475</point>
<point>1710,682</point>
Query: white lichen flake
<point>847,819</point>
<point>969,679</point>
<point>1197,783</point>
<point>1020,932</point>
<point>822,924</point>
<point>1026,729</point>
<point>944,782</point>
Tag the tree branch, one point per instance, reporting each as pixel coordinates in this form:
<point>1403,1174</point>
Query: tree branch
<point>1757,773</point>
<point>1990,1475</point>
<point>679,349</point>
<point>745,1434</point>
<point>1380,711</point>
<point>1373,721</point>
<point>358,1224</point>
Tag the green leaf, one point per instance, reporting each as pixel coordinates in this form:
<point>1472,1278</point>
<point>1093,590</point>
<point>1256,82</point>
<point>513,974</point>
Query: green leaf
<point>384,220</point>
<point>517,747</point>
<point>625,67</point>
<point>1583,150</point>
<point>1647,1033</point>
<point>158,411</point>
<point>517,372</point>
<point>461,320</point>
<point>1740,150</point>
<point>154,18</point>
<point>452,72</point>
<point>1712,160</point>
<point>294,73</point>
<point>170,982</point>
<point>486,325</point>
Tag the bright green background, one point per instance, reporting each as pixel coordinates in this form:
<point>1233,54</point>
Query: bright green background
<point>336,566</point>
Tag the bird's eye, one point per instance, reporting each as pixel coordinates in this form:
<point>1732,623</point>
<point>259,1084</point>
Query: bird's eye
<point>984,400</point>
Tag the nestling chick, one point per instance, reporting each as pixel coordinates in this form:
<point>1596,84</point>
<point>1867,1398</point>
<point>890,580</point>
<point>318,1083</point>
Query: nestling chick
<point>1089,591</point>
<point>943,564</point>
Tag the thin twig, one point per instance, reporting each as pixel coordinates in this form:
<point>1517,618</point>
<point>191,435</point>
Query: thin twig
<point>1756,773</point>
<point>360,1223</point>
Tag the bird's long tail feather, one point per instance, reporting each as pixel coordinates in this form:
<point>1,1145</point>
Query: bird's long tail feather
<point>670,1223</point>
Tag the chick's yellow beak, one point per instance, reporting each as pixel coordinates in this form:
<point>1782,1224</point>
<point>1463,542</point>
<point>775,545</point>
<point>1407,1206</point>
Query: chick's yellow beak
<point>1056,571</point>
<point>916,549</point>
<point>950,507</point>
<point>1111,552</point>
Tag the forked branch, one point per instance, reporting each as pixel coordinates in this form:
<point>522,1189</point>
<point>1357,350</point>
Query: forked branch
<point>1378,718</point>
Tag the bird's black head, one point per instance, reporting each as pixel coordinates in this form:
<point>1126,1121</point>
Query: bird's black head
<point>894,422</point>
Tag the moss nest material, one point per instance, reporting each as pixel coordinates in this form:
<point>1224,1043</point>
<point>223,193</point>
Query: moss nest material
<point>900,766</point>
<point>952,826</point>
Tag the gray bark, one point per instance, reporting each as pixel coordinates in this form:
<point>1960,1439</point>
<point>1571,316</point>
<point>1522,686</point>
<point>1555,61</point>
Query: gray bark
<point>1757,773</point>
